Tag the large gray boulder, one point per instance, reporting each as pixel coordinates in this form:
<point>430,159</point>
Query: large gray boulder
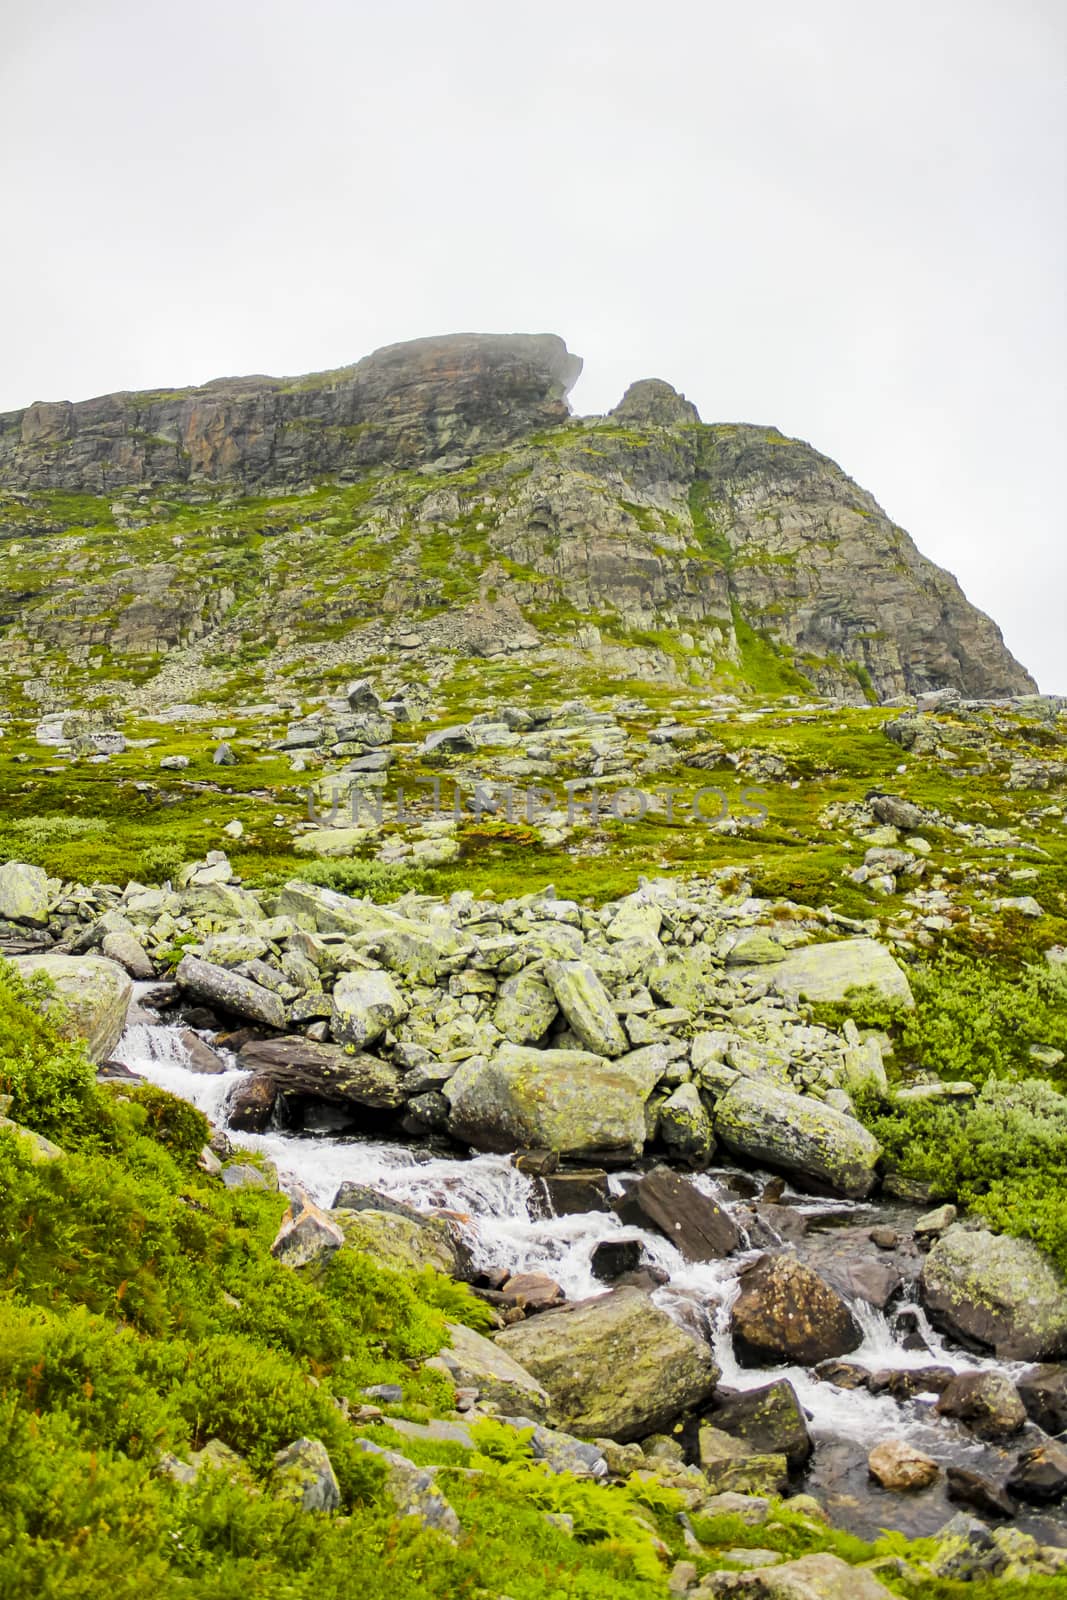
<point>567,1100</point>
<point>93,993</point>
<point>828,971</point>
<point>587,1006</point>
<point>799,1134</point>
<point>24,895</point>
<point>217,986</point>
<point>991,1290</point>
<point>366,1003</point>
<point>616,1367</point>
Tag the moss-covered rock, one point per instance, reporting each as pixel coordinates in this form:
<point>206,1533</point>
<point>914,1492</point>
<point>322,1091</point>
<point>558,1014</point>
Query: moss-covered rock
<point>799,1134</point>
<point>93,993</point>
<point>991,1290</point>
<point>616,1366</point>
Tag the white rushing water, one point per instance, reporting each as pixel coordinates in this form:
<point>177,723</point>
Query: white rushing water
<point>495,1206</point>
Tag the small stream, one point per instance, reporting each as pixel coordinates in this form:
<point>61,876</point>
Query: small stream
<point>505,1227</point>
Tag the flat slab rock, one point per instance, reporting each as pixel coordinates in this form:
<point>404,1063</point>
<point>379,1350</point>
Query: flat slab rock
<point>695,1223</point>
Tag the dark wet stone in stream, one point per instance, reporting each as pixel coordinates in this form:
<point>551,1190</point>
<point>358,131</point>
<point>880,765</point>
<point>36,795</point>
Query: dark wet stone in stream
<point>612,1258</point>
<point>843,1374</point>
<point>771,1419</point>
<point>575,1193</point>
<point>988,1402</point>
<point>904,1383</point>
<point>693,1222</point>
<point>966,1488</point>
<point>251,1104</point>
<point>786,1312</point>
<point>1040,1474</point>
<point>884,1238</point>
<point>1043,1391</point>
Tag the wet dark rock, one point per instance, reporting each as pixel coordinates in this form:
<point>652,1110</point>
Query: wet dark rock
<point>870,1279</point>
<point>967,1488</point>
<point>693,1222</point>
<point>786,1312</point>
<point>843,1374</point>
<point>326,1072</point>
<point>201,1057</point>
<point>904,1383</point>
<point>770,1419</point>
<point>251,1104</point>
<point>537,1163</point>
<point>884,1238</point>
<point>988,1402</point>
<point>1043,1391</point>
<point>574,1193</point>
<point>612,1258</point>
<point>1040,1474</point>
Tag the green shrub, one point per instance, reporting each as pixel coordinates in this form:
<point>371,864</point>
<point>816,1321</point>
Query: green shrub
<point>50,1078</point>
<point>1004,1155</point>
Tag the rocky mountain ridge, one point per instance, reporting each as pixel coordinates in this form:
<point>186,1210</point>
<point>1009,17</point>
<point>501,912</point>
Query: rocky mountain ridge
<point>437,502</point>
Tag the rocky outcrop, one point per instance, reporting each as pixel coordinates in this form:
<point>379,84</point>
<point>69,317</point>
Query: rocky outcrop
<point>616,1367</point>
<point>405,404</point>
<point>990,1290</point>
<point>488,508</point>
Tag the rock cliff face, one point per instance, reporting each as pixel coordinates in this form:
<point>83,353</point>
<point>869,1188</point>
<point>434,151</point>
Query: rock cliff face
<point>441,490</point>
<point>406,403</point>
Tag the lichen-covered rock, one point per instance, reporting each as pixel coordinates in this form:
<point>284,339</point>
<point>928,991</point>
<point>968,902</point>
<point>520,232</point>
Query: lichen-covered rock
<point>525,1009</point>
<point>786,1313</point>
<point>304,1475</point>
<point>403,1243</point>
<point>801,1135</point>
<point>34,1146</point>
<point>685,1126</point>
<point>615,1366</point>
<point>992,1290</point>
<point>413,1491</point>
<point>228,992</point>
<point>988,1402</point>
<point>587,1006</point>
<point>770,1419</point>
<point>306,1234</point>
<point>567,1100</point>
<point>814,1577</point>
<point>93,993</point>
<point>365,1004</point>
<point>24,895</point>
<point>475,1362</point>
<point>828,971</point>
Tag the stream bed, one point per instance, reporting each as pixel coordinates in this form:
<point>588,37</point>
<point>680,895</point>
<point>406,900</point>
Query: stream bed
<point>506,1225</point>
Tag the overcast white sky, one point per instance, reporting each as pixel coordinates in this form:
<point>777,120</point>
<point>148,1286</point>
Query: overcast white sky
<point>841,218</point>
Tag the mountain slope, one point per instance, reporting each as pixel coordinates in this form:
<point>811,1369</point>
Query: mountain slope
<point>435,502</point>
